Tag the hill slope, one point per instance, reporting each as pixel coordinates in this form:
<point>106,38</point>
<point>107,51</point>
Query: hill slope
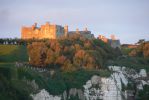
<point>13,53</point>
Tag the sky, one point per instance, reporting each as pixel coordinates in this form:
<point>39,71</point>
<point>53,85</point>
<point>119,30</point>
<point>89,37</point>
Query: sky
<point>128,20</point>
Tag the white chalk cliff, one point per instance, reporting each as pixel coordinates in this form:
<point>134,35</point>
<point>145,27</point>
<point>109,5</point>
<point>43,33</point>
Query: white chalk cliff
<point>105,88</point>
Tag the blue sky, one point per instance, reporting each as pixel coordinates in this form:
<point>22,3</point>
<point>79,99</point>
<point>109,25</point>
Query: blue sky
<point>127,19</point>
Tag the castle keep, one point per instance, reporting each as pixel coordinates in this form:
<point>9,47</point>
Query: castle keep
<point>49,31</point>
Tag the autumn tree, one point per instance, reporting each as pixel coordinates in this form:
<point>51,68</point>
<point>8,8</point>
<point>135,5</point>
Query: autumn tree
<point>79,58</point>
<point>71,53</point>
<point>37,53</point>
<point>68,66</point>
<point>60,60</point>
<point>146,50</point>
<point>50,57</point>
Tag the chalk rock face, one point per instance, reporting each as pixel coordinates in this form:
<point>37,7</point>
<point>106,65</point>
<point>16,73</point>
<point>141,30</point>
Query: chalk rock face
<point>109,88</point>
<point>44,95</point>
<point>65,95</point>
<point>81,94</point>
<point>76,92</point>
<point>72,92</point>
<point>95,80</point>
<point>143,73</point>
<point>105,88</point>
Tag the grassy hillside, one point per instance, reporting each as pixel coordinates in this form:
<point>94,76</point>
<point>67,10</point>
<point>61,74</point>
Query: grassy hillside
<point>13,80</point>
<point>12,53</point>
<point>133,62</point>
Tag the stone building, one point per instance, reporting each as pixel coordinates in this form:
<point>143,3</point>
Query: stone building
<point>103,38</point>
<point>49,31</point>
<point>113,42</point>
<point>85,33</point>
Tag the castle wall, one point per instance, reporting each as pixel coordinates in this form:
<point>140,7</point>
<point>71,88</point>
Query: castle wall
<point>85,34</point>
<point>45,31</point>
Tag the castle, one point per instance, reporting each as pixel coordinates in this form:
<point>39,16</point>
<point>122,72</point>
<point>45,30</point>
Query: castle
<point>113,42</point>
<point>50,31</point>
<point>85,33</point>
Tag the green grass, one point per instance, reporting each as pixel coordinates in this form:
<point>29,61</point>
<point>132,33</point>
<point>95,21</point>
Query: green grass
<point>8,70</point>
<point>55,84</point>
<point>78,78</point>
<point>7,49</point>
<point>136,63</point>
<point>13,53</point>
<point>126,51</point>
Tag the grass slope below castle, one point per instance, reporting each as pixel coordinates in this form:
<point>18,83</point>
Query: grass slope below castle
<point>13,80</point>
<point>13,53</point>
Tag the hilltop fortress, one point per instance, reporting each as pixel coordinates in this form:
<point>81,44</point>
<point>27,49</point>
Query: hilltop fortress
<point>50,31</point>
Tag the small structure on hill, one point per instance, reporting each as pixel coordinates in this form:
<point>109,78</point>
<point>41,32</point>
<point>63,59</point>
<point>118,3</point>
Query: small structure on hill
<point>114,43</point>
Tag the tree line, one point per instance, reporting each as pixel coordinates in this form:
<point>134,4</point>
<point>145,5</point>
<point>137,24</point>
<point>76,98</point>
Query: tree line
<point>71,53</point>
<point>141,51</point>
<point>17,41</point>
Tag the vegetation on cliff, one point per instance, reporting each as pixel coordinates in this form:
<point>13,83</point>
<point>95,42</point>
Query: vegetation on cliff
<point>136,58</point>
<point>73,61</point>
<point>67,56</point>
<point>71,53</point>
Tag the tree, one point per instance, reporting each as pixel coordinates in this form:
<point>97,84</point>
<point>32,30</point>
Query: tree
<point>68,66</point>
<point>60,60</point>
<point>79,58</point>
<point>141,41</point>
<point>37,53</point>
<point>51,57</point>
<point>146,50</point>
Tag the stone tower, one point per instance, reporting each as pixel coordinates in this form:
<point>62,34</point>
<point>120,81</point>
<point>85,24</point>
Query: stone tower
<point>113,37</point>
<point>66,30</point>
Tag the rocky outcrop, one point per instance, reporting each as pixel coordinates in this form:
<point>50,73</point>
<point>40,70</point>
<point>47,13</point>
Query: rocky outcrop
<point>64,96</point>
<point>95,80</point>
<point>143,73</point>
<point>44,95</point>
<point>76,92</point>
<point>105,88</point>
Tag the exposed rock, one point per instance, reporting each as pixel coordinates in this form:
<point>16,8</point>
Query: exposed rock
<point>34,85</point>
<point>81,94</point>
<point>143,73</point>
<point>65,95</point>
<point>88,84</point>
<point>95,80</point>
<point>76,92</point>
<point>110,90</point>
<point>72,92</point>
<point>44,95</point>
<point>140,86</point>
<point>105,88</point>
<point>52,72</point>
